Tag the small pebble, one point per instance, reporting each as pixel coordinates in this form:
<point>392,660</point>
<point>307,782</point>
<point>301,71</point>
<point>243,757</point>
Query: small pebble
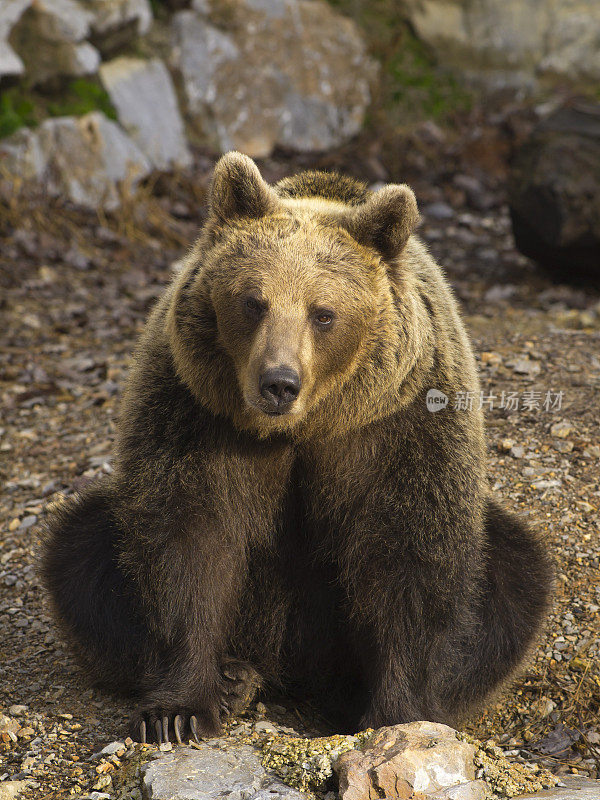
<point>261,709</point>
<point>264,727</point>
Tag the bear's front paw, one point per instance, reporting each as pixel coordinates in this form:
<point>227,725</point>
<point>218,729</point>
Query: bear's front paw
<point>239,685</point>
<point>160,725</point>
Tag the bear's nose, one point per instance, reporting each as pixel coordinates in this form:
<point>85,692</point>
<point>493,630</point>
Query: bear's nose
<point>280,386</point>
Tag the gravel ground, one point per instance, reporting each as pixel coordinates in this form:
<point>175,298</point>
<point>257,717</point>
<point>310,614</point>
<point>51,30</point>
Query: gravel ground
<point>75,292</point>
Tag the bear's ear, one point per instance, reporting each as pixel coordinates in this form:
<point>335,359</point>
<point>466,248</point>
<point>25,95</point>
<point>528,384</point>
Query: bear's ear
<point>238,189</point>
<point>386,219</point>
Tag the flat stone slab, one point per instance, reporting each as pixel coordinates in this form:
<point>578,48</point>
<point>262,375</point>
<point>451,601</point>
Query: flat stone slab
<point>215,770</point>
<point>575,789</point>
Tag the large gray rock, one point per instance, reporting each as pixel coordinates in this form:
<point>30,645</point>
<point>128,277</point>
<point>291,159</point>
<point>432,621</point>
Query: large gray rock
<point>143,95</point>
<point>554,194</point>
<point>513,40</point>
<point>215,770</point>
<point>50,38</point>
<point>10,13</point>
<point>261,73</point>
<point>85,159</point>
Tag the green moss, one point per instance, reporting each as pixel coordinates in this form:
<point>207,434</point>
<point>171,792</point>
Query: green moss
<point>16,111</point>
<point>412,86</point>
<point>22,106</point>
<point>81,97</point>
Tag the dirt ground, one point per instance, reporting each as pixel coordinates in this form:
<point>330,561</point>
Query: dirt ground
<point>74,292</point>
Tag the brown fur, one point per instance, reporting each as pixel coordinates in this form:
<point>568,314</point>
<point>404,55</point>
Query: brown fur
<point>348,549</point>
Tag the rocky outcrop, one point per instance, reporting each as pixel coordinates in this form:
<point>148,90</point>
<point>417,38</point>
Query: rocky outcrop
<point>554,194</point>
<point>513,41</point>
<point>251,74</point>
<point>86,160</point>
<point>65,38</point>
<point>143,95</point>
<point>260,73</point>
<point>424,760</point>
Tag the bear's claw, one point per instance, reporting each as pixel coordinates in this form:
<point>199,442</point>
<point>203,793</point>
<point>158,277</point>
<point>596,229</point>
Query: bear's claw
<point>179,726</point>
<point>238,686</point>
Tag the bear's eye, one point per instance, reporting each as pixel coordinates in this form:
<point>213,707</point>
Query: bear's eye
<point>324,318</point>
<point>253,307</point>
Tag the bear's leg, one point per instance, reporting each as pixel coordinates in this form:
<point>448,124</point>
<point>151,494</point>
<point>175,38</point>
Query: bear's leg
<point>517,584</point>
<point>99,610</point>
<point>91,597</point>
<point>449,657</point>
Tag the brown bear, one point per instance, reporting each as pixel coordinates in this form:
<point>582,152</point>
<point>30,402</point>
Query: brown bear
<point>284,506</point>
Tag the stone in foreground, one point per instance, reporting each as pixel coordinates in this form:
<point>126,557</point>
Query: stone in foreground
<point>143,95</point>
<point>212,771</point>
<point>423,760</point>
<point>423,757</point>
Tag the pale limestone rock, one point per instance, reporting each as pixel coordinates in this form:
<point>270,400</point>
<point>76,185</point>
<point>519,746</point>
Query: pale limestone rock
<point>472,790</point>
<point>143,95</point>
<point>10,13</point>
<point>514,40</point>
<point>262,73</point>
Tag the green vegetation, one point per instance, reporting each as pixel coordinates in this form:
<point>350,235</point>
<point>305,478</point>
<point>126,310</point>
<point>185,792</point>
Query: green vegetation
<point>22,106</point>
<point>81,97</point>
<point>16,110</point>
<point>413,87</point>
<point>415,79</point>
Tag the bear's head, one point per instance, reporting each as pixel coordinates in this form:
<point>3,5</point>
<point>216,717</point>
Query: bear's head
<point>294,305</point>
